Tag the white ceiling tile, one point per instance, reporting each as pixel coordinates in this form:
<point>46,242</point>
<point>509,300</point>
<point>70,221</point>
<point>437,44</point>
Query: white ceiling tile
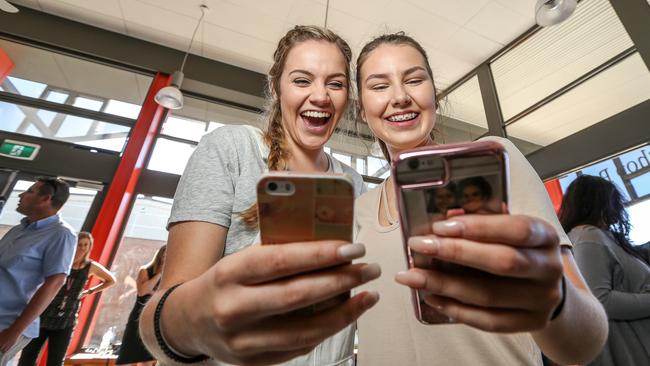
<point>424,27</point>
<point>458,12</point>
<point>110,20</point>
<point>499,23</point>
<point>277,9</point>
<point>469,47</point>
<point>369,10</point>
<point>353,30</point>
<point>110,8</point>
<point>307,12</point>
<point>446,68</point>
<point>523,7</point>
<point>167,21</point>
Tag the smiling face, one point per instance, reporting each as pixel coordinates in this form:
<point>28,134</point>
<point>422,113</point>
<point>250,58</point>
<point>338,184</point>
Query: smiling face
<point>83,246</point>
<point>313,93</point>
<point>472,199</point>
<point>397,96</point>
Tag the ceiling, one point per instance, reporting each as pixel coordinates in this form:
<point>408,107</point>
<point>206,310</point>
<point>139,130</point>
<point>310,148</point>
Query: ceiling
<point>459,35</point>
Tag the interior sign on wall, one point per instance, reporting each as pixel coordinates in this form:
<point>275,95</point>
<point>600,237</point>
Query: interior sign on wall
<point>19,150</point>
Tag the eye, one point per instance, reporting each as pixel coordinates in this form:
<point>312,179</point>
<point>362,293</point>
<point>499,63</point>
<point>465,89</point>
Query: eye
<point>336,85</point>
<point>301,82</point>
<point>379,87</point>
<point>414,81</point>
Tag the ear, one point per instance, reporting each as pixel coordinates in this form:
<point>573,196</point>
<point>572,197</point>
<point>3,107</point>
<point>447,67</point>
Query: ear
<point>274,95</point>
<point>362,114</point>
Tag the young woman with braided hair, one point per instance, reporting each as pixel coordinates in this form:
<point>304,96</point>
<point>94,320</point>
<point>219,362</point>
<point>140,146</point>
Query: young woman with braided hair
<point>235,299</point>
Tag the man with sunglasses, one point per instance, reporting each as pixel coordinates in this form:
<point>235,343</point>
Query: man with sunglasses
<point>35,258</point>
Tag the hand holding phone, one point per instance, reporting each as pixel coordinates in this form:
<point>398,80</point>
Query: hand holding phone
<point>438,182</point>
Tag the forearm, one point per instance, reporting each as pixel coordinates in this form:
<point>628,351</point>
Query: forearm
<point>578,334</point>
<point>41,299</point>
<point>625,306</point>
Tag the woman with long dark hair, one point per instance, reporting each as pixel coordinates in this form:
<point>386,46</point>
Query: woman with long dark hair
<point>594,215</point>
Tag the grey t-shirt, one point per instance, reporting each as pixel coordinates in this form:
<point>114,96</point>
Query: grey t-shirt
<point>220,179</point>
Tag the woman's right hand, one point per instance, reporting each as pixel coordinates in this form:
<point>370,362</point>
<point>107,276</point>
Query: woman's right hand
<point>241,307</point>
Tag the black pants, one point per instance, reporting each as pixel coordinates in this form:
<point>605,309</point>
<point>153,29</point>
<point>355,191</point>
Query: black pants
<point>58,341</point>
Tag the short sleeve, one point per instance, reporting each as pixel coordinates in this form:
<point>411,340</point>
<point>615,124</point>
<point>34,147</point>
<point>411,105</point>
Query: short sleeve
<point>207,187</point>
<point>59,253</point>
<point>527,193</point>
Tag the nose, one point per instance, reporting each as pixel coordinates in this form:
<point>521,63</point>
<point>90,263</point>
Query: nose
<point>319,96</point>
<point>400,97</point>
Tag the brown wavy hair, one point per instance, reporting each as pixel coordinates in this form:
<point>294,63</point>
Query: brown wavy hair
<point>274,136</point>
<point>89,236</point>
<point>397,39</point>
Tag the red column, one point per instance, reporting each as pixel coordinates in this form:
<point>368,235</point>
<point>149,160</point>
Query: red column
<point>119,198</point>
<point>555,192</point>
<point>6,65</point>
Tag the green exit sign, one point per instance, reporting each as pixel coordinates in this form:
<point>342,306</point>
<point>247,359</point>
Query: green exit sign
<point>19,150</point>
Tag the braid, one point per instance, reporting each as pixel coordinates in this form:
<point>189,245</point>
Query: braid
<point>274,136</point>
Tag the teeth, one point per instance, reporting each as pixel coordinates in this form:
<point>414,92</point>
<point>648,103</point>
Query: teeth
<point>402,117</point>
<point>315,114</point>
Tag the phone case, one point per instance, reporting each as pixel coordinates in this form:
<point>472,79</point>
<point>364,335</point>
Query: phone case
<point>318,207</point>
<point>437,182</point>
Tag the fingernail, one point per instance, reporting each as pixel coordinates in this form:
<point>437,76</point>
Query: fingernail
<point>448,228</point>
<point>351,251</point>
<point>370,272</point>
<point>424,244</point>
<point>411,279</point>
<point>370,299</point>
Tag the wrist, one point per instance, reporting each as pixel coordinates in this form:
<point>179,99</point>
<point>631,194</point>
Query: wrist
<point>173,351</point>
<point>180,319</point>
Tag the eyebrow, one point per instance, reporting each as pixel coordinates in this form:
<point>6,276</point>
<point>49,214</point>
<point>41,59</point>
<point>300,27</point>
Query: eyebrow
<point>407,72</point>
<point>300,71</point>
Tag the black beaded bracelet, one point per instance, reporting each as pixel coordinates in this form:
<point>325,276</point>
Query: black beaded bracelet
<point>560,306</point>
<point>161,341</point>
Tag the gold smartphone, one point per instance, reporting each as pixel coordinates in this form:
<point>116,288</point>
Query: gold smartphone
<point>297,207</point>
<point>434,183</point>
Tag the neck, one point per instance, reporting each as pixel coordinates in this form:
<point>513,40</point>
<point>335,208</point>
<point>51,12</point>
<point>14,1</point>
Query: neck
<point>311,161</point>
<point>389,204</point>
<point>393,150</point>
<point>79,262</point>
<point>40,216</point>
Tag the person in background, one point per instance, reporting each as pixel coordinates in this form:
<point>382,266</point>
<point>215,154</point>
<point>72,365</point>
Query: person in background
<point>522,291</point>
<point>59,318</point>
<point>35,259</point>
<point>473,195</point>
<point>133,350</point>
<point>593,213</point>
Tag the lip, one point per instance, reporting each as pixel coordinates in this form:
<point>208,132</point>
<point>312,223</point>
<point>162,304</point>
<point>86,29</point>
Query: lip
<point>403,124</point>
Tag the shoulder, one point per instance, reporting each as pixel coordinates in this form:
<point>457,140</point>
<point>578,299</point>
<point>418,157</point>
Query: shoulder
<point>232,136</point>
<point>588,234</point>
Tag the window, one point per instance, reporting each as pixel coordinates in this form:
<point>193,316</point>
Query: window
<point>556,56</point>
<point>144,234</point>
<point>614,90</point>
<point>63,127</point>
<point>462,114</point>
<point>170,156</point>
<point>630,172</point>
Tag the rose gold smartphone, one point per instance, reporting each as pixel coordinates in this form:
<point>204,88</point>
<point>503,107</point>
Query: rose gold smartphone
<point>306,207</point>
<point>434,183</point>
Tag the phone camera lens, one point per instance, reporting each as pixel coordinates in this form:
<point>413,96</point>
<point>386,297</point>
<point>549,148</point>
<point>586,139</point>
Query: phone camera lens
<point>273,186</point>
<point>414,164</point>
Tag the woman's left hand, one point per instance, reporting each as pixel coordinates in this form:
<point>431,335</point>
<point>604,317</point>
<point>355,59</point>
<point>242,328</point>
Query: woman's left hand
<point>518,282</point>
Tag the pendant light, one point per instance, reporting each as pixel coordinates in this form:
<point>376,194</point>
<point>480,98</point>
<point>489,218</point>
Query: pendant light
<point>170,96</point>
<point>551,12</point>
